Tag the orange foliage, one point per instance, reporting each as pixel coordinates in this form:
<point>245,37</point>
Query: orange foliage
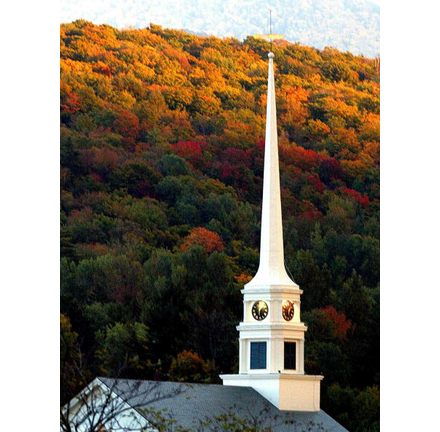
<point>370,129</point>
<point>177,126</point>
<point>211,241</point>
<point>205,103</point>
<point>102,68</point>
<point>317,130</point>
<point>354,168</point>
<point>345,139</point>
<point>295,96</point>
<point>176,54</point>
<point>371,151</point>
<point>71,103</point>
<point>243,278</point>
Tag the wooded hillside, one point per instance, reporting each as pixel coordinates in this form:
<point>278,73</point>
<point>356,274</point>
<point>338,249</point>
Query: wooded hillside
<point>162,139</point>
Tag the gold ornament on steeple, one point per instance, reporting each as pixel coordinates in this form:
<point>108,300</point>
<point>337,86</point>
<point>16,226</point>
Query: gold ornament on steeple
<point>269,36</point>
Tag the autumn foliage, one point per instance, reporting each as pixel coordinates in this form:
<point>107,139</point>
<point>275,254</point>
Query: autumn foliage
<point>341,324</point>
<point>162,155</point>
<point>203,237</point>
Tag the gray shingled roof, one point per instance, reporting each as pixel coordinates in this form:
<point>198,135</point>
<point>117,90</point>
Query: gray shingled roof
<point>191,404</point>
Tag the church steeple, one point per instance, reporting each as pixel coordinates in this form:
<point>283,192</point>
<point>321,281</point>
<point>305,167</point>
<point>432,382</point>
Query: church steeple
<point>271,353</point>
<point>271,270</point>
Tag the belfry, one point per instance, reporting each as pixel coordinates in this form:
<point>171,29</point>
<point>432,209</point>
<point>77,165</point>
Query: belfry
<point>272,334</point>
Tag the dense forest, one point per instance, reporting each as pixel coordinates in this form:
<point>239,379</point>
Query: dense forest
<point>162,139</point>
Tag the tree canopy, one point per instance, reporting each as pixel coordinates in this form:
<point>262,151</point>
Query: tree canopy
<point>162,143</point>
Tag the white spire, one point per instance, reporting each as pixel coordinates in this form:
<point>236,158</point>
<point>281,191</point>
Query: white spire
<point>271,346</point>
<point>271,270</point>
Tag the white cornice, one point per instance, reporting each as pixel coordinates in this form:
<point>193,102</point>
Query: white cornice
<point>272,326</point>
<point>271,376</point>
<point>274,289</point>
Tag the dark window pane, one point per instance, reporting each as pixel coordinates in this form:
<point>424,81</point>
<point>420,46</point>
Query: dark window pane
<point>289,355</point>
<point>258,355</point>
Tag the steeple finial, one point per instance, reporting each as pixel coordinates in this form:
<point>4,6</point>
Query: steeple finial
<point>271,270</point>
<point>270,28</point>
<point>269,36</point>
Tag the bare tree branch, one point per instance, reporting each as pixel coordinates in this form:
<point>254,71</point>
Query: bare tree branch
<point>116,403</point>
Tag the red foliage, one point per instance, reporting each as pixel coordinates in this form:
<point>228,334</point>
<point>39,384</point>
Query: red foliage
<point>316,183</point>
<point>187,149</point>
<point>96,177</point>
<point>192,152</point>
<point>311,215</point>
<point>357,196</point>
<point>211,241</point>
<point>225,170</point>
<point>340,321</point>
<point>261,144</point>
<point>330,169</point>
<point>71,103</point>
<point>235,157</point>
<point>301,157</point>
<point>127,125</point>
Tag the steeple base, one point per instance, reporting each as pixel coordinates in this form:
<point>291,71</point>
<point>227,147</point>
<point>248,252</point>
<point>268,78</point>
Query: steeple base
<point>286,391</point>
